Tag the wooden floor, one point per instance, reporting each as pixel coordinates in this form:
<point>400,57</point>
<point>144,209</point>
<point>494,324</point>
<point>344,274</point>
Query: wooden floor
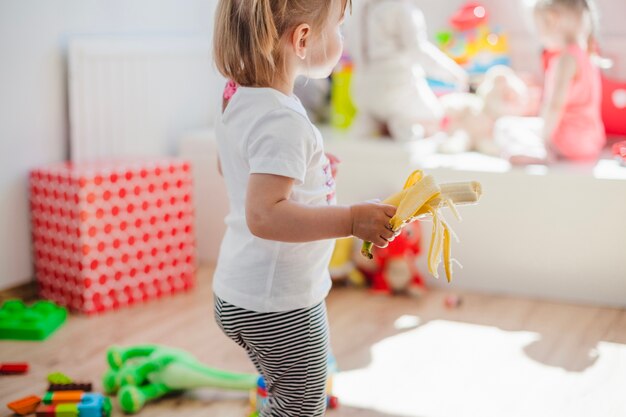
<point>493,356</point>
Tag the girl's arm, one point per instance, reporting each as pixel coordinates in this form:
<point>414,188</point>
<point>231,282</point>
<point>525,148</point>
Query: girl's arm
<point>270,214</point>
<point>554,103</point>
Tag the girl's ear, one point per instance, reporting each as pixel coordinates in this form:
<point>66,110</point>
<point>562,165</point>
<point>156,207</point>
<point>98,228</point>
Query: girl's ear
<point>300,40</point>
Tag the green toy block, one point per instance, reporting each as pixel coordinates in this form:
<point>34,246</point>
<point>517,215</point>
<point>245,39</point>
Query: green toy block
<point>106,407</point>
<point>35,322</point>
<point>66,410</point>
<point>59,378</point>
<point>47,398</point>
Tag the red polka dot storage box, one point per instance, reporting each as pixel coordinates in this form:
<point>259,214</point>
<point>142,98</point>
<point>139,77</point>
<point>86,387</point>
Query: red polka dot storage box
<point>108,235</point>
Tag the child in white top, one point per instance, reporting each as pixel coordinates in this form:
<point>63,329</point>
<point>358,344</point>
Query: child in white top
<point>272,273</point>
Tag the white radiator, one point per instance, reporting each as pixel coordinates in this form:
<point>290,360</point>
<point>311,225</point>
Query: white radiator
<point>132,97</point>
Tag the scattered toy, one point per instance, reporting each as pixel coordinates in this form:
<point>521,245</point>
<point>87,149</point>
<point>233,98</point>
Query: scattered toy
<point>13,368</point>
<point>35,322</point>
<point>24,406</point>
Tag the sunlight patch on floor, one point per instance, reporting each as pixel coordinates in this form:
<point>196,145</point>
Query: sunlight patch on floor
<point>449,369</point>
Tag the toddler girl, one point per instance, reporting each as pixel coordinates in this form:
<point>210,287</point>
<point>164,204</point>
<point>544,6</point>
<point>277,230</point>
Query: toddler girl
<point>570,125</point>
<point>272,273</point>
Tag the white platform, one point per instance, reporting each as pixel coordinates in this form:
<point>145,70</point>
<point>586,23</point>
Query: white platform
<point>554,233</point>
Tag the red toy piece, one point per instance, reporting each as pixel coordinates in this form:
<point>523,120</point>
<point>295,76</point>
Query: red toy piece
<point>452,301</point>
<point>25,406</point>
<point>13,368</point>
<point>46,411</point>
<point>469,16</point>
<point>614,106</point>
<point>619,151</point>
<point>397,272</point>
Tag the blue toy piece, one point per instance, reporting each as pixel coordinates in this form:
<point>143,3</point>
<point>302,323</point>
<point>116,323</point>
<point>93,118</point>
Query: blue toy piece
<point>92,405</point>
<point>36,322</point>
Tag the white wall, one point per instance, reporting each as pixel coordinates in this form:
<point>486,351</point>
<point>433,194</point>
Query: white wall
<point>33,108</point>
<point>33,115</point>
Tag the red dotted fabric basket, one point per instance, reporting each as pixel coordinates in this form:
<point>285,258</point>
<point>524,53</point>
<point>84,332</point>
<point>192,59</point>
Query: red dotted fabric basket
<point>107,235</point>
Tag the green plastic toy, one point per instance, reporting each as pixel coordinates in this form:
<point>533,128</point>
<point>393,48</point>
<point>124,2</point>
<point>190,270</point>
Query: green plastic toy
<point>36,322</point>
<point>143,373</point>
<point>59,378</point>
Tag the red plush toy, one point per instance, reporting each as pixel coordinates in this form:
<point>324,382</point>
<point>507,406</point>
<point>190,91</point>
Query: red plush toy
<point>396,270</point>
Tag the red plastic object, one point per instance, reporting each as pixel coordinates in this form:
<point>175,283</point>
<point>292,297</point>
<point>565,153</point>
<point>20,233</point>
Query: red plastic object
<point>614,106</point>
<point>333,402</point>
<point>112,234</point>
<point>619,151</point>
<point>469,16</point>
<point>25,406</point>
<point>452,301</point>
<point>13,368</point>
<point>46,411</point>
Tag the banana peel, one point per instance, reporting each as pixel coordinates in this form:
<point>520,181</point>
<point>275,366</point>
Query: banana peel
<point>421,197</point>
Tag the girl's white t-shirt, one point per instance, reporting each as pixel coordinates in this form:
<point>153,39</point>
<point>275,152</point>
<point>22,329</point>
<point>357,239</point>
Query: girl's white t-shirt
<point>267,132</point>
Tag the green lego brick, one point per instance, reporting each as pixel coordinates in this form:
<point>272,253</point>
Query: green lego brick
<point>47,398</point>
<point>59,378</point>
<point>106,407</point>
<point>66,410</point>
<point>35,322</point>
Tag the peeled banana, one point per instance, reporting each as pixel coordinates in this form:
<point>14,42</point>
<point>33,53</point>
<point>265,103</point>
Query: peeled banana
<point>421,197</point>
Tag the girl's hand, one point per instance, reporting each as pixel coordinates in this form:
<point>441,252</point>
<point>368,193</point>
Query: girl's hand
<point>370,222</point>
<point>334,163</point>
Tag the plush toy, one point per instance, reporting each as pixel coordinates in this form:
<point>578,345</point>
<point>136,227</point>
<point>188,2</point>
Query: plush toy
<point>388,42</point>
<point>144,373</point>
<point>470,118</point>
<point>397,271</point>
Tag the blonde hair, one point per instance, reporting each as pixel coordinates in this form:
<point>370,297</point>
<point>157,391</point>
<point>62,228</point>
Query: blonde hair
<point>247,34</point>
<point>584,7</point>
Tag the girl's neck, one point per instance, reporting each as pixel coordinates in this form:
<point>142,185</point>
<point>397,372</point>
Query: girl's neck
<point>284,86</point>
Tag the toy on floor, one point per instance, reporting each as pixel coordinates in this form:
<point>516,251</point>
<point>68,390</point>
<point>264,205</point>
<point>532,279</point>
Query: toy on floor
<point>422,197</point>
<point>470,118</point>
<point>63,404</point>
<point>74,404</point>
<point>342,267</point>
<point>452,301</point>
<point>144,373</point>
<point>62,382</point>
<point>396,271</point>
<point>59,378</point>
<point>25,406</point>
<point>13,368</point>
<point>35,322</point>
<point>472,43</point>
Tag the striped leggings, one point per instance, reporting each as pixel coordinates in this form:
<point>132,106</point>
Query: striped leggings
<point>289,349</point>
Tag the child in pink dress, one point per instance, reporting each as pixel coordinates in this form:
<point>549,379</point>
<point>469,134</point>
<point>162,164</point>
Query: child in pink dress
<point>570,126</point>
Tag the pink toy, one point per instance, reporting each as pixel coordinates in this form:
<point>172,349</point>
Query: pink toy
<point>396,271</point>
<point>614,106</point>
<point>619,150</point>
